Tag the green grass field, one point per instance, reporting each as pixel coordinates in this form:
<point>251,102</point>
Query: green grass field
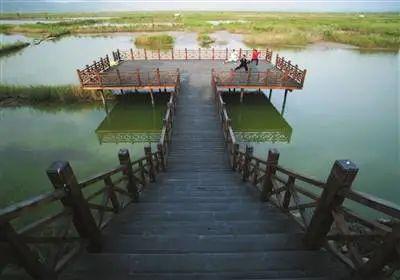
<point>370,30</point>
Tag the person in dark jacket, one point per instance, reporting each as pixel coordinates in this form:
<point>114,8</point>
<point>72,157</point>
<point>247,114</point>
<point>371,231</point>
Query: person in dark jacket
<point>243,63</point>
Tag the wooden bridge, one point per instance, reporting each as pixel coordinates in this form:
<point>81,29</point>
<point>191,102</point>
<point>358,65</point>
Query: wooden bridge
<point>200,207</point>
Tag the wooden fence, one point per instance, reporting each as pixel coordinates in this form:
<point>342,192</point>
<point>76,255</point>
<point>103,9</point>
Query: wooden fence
<point>185,54</point>
<point>369,246</point>
<point>271,79</point>
<point>291,71</point>
<point>129,79</point>
<point>79,210</point>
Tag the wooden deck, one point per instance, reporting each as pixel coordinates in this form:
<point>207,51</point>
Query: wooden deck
<point>199,220</point>
<point>129,73</point>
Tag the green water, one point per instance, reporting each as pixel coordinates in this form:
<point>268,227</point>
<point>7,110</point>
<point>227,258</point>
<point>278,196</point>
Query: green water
<point>32,138</point>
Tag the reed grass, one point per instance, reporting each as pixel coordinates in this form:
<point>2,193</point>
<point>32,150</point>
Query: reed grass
<point>14,95</point>
<point>156,41</point>
<point>205,40</point>
<point>14,47</point>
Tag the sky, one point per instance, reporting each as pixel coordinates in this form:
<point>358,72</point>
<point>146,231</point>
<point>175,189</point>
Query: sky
<point>200,5</point>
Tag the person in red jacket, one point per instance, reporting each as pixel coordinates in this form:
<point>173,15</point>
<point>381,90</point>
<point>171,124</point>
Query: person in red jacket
<point>254,56</point>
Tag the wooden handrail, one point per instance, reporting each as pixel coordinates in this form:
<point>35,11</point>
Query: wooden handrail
<point>325,220</point>
<point>120,191</point>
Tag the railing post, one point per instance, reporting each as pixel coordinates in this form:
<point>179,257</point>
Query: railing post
<point>111,194</point>
<point>138,77</point>
<point>240,53</point>
<point>132,57</point>
<point>185,53</point>
<point>213,54</point>
<point>247,161</point>
<point>27,258</point>
<point>149,160</point>
<point>145,54</point>
<point>159,55</point>
<point>288,193</point>
<point>125,160</point>
<point>172,54</point>
<point>272,162</point>
<point>341,177</point>
<point>62,176</point>
<point>226,54</point>
<point>199,53</point>
<point>160,148</point>
<point>235,156</point>
<point>158,76</point>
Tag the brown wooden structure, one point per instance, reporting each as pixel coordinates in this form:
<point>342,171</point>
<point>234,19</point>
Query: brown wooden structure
<point>369,246</point>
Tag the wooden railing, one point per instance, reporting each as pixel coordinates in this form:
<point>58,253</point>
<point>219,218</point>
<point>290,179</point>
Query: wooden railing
<point>130,79</point>
<point>185,54</point>
<point>272,78</point>
<point>76,212</point>
<point>371,247</point>
<point>92,71</point>
<point>290,70</point>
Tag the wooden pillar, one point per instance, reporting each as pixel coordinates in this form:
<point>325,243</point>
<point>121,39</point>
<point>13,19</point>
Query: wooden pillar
<point>111,194</point>
<point>149,160</point>
<point>132,57</point>
<point>159,55</point>
<point>172,54</point>
<point>161,150</point>
<point>199,53</point>
<point>240,53</point>
<point>103,99</point>
<point>272,162</point>
<point>288,193</point>
<point>384,254</point>
<point>226,54</point>
<point>158,76</point>
<point>235,156</point>
<point>241,95</point>
<point>341,177</point>
<point>139,80</point>
<point>247,161</point>
<point>213,54</point>
<point>284,102</point>
<point>62,177</point>
<point>26,258</point>
<point>152,97</point>
<point>185,53</point>
<point>145,54</point>
<point>125,160</point>
<point>270,94</point>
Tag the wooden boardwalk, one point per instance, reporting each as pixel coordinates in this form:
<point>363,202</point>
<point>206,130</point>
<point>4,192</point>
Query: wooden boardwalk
<point>199,220</point>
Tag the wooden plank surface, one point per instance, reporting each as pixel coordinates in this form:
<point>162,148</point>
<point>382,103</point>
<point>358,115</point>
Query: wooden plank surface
<point>199,220</point>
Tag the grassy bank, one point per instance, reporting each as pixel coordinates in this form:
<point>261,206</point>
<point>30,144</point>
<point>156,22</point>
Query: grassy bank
<point>12,95</point>
<point>159,41</point>
<point>205,40</point>
<point>369,30</point>
<point>10,48</point>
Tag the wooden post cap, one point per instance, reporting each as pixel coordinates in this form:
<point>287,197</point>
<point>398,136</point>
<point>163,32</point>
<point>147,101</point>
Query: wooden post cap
<point>123,155</point>
<point>60,173</point>
<point>344,171</point>
<point>273,155</point>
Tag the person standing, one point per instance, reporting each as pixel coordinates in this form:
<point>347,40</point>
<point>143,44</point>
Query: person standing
<point>233,57</point>
<point>243,63</point>
<point>254,56</point>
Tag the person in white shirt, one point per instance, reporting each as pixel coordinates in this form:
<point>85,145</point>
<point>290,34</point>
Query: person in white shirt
<point>233,57</point>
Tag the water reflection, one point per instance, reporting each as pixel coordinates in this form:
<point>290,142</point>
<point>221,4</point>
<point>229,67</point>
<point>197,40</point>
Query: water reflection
<point>133,120</point>
<point>257,120</point>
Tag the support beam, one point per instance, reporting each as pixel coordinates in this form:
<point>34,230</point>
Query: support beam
<point>270,94</point>
<point>152,97</point>
<point>241,95</point>
<point>284,102</point>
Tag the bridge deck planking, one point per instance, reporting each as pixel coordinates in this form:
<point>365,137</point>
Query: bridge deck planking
<point>199,220</point>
